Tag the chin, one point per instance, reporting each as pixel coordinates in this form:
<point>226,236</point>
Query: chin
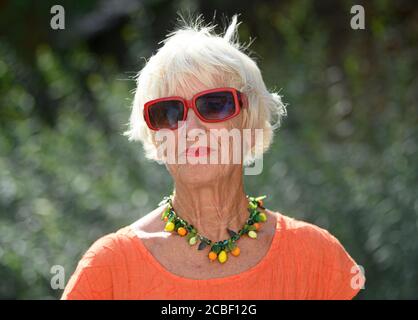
<point>199,173</point>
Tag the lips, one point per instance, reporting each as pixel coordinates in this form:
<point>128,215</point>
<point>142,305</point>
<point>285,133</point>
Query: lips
<point>198,152</point>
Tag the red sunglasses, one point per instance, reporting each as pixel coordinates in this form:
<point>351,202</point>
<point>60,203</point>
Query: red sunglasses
<point>214,105</point>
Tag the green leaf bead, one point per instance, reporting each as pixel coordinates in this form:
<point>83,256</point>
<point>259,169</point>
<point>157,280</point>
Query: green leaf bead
<point>164,214</point>
<point>202,245</point>
<point>205,240</point>
<point>252,205</point>
<point>231,232</point>
<point>231,245</point>
<point>190,235</point>
<point>216,248</point>
<point>235,238</point>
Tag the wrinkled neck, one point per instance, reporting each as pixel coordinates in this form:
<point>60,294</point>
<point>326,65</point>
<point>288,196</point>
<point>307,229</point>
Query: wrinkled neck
<point>213,208</point>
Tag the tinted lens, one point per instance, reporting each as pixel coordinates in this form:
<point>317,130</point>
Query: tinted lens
<point>166,114</point>
<point>216,105</point>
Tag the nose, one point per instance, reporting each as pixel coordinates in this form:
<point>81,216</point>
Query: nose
<point>193,121</point>
<point>194,127</point>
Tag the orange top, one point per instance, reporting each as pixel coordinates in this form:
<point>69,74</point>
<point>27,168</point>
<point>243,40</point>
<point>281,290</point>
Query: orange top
<point>304,261</point>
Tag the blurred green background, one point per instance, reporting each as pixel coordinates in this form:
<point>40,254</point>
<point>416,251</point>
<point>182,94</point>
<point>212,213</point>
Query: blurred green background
<point>344,159</point>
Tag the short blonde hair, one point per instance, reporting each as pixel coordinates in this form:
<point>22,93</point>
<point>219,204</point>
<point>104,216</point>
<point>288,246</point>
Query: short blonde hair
<point>195,51</point>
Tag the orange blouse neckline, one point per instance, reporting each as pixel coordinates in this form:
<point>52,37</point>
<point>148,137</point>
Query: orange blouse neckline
<point>267,257</point>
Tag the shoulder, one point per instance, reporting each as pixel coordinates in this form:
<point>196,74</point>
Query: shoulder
<point>107,249</point>
<point>123,241</point>
<point>95,273</point>
<point>322,255</point>
<point>313,237</point>
<point>309,233</point>
<point>92,278</point>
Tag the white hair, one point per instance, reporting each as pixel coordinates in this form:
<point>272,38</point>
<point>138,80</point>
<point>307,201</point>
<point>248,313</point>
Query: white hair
<point>195,51</point>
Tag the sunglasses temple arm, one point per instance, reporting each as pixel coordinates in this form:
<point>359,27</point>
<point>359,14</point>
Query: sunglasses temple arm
<point>242,98</point>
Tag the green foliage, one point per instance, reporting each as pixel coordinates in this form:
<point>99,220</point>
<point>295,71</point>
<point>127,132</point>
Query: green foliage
<point>344,159</point>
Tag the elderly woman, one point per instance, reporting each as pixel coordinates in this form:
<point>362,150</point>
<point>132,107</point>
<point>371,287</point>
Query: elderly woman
<point>209,239</point>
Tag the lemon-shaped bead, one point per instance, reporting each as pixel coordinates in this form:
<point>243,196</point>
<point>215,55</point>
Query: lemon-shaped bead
<point>252,234</point>
<point>169,226</point>
<point>222,256</point>
<point>192,241</point>
<point>263,217</point>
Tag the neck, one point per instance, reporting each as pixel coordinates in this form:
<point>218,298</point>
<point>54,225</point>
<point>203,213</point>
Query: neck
<point>213,208</point>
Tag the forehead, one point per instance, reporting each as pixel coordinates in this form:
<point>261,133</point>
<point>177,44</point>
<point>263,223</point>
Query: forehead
<point>187,86</point>
<point>191,87</point>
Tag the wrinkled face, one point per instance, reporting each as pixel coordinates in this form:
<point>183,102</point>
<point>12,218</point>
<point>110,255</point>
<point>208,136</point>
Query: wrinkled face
<point>201,152</point>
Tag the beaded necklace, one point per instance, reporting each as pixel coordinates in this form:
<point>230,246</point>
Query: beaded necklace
<point>218,250</point>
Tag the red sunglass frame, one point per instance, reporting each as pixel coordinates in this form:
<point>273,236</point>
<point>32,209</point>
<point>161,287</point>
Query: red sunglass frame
<point>240,101</point>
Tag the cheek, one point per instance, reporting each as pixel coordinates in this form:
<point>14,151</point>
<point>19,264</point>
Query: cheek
<point>234,147</point>
<point>166,143</point>
<point>234,123</point>
<point>237,122</point>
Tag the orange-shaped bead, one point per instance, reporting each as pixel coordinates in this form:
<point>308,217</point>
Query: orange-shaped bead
<point>165,219</point>
<point>257,226</point>
<point>212,256</point>
<point>182,231</point>
<point>236,251</point>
